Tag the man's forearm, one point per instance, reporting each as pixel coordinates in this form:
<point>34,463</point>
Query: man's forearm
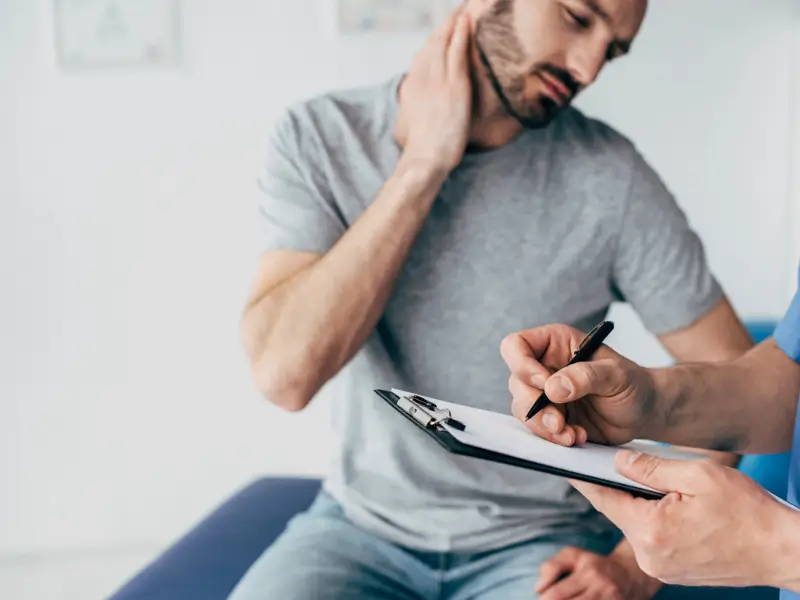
<point>313,324</point>
<point>745,405</point>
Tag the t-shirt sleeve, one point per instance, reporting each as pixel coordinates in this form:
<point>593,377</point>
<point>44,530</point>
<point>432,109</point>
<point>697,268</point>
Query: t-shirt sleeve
<point>660,266</point>
<point>787,334</point>
<point>295,209</point>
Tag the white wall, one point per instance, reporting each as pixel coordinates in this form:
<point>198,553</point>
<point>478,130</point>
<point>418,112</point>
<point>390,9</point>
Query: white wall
<point>127,239</point>
<point>794,222</point>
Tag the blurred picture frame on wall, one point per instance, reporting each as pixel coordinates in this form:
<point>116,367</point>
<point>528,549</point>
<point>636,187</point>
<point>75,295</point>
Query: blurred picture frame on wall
<point>92,34</point>
<point>390,16</point>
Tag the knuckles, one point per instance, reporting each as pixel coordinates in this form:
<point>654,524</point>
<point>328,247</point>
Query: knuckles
<point>507,345</point>
<point>649,465</point>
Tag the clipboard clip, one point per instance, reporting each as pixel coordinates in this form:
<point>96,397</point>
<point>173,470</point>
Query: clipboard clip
<point>427,414</point>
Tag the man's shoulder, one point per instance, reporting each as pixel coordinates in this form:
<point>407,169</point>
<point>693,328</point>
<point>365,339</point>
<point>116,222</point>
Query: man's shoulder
<point>326,117</point>
<point>593,135</point>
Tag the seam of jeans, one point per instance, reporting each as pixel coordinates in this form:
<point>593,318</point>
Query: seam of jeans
<point>440,574</point>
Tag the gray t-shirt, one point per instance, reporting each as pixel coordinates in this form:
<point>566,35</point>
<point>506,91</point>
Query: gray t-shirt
<point>550,228</point>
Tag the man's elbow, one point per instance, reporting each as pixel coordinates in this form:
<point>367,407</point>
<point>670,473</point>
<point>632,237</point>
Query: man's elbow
<point>282,375</point>
<point>279,379</point>
<point>282,385</point>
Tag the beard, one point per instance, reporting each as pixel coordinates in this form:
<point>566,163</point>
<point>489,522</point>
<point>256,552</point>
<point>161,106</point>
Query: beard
<point>502,56</point>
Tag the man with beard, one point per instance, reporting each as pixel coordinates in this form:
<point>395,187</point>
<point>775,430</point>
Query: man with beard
<point>408,227</point>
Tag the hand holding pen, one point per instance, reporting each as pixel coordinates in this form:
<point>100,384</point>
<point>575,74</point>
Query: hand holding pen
<point>591,393</point>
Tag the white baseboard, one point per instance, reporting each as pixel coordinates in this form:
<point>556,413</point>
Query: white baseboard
<point>81,575</point>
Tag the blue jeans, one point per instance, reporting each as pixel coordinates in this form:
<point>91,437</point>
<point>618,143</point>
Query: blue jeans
<point>323,556</point>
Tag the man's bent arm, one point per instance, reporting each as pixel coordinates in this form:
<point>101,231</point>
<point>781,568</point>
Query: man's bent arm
<point>301,328</point>
<point>300,331</point>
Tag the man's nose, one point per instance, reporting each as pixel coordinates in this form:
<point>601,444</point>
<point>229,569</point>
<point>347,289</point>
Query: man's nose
<point>586,62</point>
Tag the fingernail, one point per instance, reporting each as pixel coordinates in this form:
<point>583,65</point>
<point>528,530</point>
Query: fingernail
<point>565,438</point>
<point>561,387</point>
<point>550,422</point>
<point>625,458</point>
<point>538,380</point>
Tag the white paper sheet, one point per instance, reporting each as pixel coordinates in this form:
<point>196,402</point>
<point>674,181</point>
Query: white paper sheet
<point>503,433</point>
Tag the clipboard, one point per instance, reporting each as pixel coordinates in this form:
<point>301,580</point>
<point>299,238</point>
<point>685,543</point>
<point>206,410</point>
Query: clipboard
<point>486,435</point>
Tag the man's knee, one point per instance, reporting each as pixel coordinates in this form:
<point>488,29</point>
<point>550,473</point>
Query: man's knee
<point>320,556</point>
<point>297,584</point>
<point>296,571</point>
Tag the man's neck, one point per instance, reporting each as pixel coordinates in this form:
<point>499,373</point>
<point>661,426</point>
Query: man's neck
<point>493,132</point>
<point>491,126</point>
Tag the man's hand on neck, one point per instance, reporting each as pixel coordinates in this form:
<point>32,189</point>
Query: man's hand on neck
<point>436,99</point>
<point>473,103</point>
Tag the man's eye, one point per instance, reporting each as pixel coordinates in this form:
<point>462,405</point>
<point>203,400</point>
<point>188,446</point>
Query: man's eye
<point>577,20</point>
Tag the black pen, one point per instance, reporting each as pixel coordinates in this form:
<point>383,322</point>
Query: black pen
<point>588,347</point>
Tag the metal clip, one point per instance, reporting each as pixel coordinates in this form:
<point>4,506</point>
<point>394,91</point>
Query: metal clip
<point>426,413</point>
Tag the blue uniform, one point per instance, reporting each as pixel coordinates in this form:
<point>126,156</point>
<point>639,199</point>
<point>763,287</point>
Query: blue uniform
<point>787,335</point>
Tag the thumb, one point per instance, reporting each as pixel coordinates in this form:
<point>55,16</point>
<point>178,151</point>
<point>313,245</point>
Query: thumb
<point>561,564</point>
<point>603,378</point>
<point>658,473</point>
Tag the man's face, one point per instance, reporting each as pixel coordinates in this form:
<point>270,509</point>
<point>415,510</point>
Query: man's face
<point>539,54</point>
